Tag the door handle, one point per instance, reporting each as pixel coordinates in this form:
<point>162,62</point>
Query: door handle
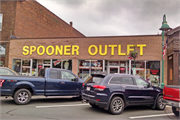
<point>62,82</point>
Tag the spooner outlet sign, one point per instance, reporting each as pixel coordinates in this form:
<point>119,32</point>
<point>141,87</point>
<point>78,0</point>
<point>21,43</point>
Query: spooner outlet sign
<point>74,49</point>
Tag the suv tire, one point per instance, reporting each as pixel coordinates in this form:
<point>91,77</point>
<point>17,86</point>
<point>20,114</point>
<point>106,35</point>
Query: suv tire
<point>116,105</point>
<point>175,112</point>
<point>159,103</point>
<point>22,96</point>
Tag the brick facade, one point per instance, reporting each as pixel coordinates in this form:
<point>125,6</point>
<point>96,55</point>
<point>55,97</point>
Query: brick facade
<point>150,52</point>
<point>29,19</point>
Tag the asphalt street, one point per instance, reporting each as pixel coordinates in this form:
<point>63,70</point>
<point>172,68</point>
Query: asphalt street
<point>41,108</point>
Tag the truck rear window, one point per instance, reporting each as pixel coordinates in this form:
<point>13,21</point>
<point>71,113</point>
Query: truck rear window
<point>94,79</point>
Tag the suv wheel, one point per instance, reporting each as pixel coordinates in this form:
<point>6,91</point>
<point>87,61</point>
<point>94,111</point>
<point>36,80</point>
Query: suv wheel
<point>116,106</point>
<point>159,103</point>
<point>175,112</point>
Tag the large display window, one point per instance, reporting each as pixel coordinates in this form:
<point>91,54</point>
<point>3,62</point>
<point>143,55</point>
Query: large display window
<point>153,72</point>
<point>87,67</point>
<point>138,68</point>
<point>16,66</point>
<point>62,64</point>
<point>149,70</point>
<point>26,65</point>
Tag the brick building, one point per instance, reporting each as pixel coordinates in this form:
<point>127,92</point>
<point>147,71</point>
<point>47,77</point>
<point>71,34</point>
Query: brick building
<point>39,39</point>
<point>29,19</point>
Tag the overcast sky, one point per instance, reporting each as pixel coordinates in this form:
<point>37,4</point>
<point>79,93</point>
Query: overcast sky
<point>116,17</point>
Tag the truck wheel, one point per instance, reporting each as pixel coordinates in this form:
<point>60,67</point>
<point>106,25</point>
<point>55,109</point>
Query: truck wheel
<point>116,106</point>
<point>159,103</point>
<point>22,96</point>
<point>175,112</point>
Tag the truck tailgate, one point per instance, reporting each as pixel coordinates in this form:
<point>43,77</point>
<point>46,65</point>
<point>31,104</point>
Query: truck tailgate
<point>171,92</point>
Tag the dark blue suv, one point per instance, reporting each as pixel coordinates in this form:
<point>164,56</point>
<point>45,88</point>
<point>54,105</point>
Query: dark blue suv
<point>114,92</point>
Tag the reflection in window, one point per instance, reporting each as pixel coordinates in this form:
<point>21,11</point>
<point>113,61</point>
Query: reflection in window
<point>54,74</point>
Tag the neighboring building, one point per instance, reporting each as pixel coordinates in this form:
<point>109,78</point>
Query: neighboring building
<point>173,56</point>
<point>29,19</point>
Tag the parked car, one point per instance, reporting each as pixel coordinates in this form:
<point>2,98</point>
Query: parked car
<point>7,71</point>
<point>114,92</point>
<point>53,82</point>
<point>171,97</point>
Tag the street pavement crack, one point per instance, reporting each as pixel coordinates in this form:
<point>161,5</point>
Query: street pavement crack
<point>9,112</point>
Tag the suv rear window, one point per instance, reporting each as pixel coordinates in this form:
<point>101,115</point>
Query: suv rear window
<point>95,79</point>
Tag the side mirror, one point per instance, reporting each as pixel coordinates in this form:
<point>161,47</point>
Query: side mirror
<point>149,85</point>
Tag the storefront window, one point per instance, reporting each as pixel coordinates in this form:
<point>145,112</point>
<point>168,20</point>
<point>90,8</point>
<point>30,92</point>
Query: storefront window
<point>56,63</point>
<point>153,72</point>
<point>84,69</point>
<point>62,64</point>
<point>138,68</point>
<point>26,66</point>
<point>2,55</point>
<point>17,65</point>
<point>87,67</point>
<point>67,64</point>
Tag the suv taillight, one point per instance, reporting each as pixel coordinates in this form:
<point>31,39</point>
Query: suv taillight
<point>99,87</point>
<point>1,82</point>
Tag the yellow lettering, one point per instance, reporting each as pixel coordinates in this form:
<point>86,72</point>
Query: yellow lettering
<point>105,50</point>
<point>141,48</point>
<point>52,50</point>
<point>32,49</point>
<point>96,50</point>
<point>129,49</point>
<point>112,48</point>
<point>43,50</point>
<point>75,48</point>
<point>119,50</point>
<point>59,50</point>
<point>67,49</point>
<point>26,51</point>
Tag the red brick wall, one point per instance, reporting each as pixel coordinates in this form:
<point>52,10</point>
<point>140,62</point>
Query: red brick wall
<point>8,9</point>
<point>35,21</point>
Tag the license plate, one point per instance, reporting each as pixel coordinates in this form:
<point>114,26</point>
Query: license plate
<point>88,88</point>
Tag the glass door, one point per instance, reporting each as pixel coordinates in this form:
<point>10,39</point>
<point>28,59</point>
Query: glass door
<point>113,70</point>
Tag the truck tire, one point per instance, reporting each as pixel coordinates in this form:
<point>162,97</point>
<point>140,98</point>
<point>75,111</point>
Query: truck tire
<point>159,103</point>
<point>175,112</point>
<point>22,96</point>
<point>116,106</point>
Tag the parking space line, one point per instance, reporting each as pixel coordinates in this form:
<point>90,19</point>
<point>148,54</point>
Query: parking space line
<point>150,116</point>
<point>61,105</point>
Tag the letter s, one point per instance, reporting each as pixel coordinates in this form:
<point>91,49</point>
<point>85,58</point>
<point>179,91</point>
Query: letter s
<point>26,50</point>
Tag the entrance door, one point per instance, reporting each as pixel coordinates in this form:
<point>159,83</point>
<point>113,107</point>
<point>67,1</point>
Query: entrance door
<point>117,67</point>
<point>113,69</point>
